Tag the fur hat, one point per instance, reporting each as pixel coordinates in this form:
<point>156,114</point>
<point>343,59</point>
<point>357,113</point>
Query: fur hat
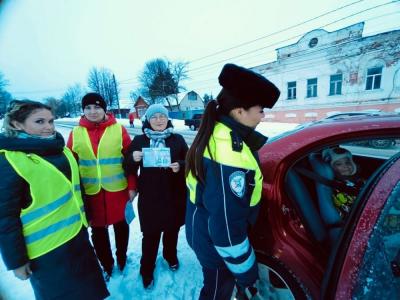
<point>94,98</point>
<point>155,109</point>
<point>249,88</point>
<point>332,155</point>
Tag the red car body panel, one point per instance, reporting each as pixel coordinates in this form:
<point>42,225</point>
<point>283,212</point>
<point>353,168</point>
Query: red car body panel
<point>285,236</point>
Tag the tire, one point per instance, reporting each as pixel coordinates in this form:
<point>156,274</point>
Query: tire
<point>276,281</point>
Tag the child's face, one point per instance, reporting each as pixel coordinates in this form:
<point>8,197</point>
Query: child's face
<point>344,167</point>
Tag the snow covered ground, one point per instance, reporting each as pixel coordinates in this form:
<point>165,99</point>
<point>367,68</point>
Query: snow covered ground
<point>182,284</point>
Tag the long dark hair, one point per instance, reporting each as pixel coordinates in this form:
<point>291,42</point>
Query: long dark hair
<point>222,106</point>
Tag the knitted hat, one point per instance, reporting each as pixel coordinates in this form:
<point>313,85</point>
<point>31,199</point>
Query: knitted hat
<point>332,155</point>
<point>249,88</point>
<point>94,98</point>
<point>155,109</point>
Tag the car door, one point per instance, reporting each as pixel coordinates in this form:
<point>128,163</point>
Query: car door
<point>363,265</point>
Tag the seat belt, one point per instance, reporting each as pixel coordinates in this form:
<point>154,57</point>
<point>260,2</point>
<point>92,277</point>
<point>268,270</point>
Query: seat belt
<point>352,190</point>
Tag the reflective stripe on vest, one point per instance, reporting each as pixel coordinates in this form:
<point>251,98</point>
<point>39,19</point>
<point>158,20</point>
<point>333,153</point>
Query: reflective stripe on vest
<point>56,213</point>
<point>221,148</point>
<point>104,171</point>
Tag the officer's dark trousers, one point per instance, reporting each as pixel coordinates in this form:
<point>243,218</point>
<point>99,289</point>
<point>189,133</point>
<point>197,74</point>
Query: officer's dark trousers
<point>150,243</point>
<point>217,284</point>
<point>101,243</point>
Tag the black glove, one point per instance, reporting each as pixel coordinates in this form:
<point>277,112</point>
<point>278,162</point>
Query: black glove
<point>250,292</point>
<point>246,293</point>
<point>395,268</point>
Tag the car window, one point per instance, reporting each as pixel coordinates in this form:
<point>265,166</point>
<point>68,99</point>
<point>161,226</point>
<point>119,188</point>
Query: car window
<point>325,199</point>
<point>379,274</point>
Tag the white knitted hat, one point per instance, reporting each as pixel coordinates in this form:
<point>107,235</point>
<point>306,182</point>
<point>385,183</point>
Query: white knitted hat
<point>331,155</point>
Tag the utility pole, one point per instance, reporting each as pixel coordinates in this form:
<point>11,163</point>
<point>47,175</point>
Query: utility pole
<point>116,95</point>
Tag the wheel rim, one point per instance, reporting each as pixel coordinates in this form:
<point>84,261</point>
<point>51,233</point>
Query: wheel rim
<point>266,288</point>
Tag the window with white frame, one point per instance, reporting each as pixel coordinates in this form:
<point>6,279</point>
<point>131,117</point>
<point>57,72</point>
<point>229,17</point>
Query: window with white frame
<point>291,90</point>
<point>312,87</point>
<point>335,85</point>
<point>374,78</point>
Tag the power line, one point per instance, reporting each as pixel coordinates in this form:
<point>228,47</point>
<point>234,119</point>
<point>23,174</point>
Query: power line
<point>300,67</point>
<point>274,33</point>
<point>295,60</point>
<point>296,36</point>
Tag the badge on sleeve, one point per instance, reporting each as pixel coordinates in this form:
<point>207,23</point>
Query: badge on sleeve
<point>237,183</point>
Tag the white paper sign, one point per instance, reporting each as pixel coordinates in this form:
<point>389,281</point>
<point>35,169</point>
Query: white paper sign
<point>156,157</point>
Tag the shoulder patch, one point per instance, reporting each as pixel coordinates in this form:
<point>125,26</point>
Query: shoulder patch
<point>237,183</point>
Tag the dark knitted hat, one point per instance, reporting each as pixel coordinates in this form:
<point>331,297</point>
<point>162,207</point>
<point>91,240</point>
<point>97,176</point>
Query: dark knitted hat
<point>249,88</point>
<point>94,98</point>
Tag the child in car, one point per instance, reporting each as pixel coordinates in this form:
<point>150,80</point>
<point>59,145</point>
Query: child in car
<point>346,176</point>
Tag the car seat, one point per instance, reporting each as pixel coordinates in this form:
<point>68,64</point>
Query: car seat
<point>305,205</point>
<point>329,214</point>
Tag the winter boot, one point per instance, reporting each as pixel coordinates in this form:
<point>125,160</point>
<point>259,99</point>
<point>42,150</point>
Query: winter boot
<point>121,261</point>
<point>148,282</point>
<point>173,264</point>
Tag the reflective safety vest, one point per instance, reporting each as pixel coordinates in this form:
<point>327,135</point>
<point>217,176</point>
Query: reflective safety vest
<point>222,153</point>
<point>104,171</point>
<point>56,213</point>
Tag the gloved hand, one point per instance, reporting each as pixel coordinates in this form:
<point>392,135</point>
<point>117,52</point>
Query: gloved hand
<point>247,293</point>
<point>395,268</point>
<point>251,292</point>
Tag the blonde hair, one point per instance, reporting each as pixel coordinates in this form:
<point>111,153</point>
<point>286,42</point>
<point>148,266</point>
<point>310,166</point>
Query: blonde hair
<point>20,110</point>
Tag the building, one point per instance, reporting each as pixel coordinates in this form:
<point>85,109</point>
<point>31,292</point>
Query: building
<point>140,107</point>
<point>331,72</point>
<point>191,101</point>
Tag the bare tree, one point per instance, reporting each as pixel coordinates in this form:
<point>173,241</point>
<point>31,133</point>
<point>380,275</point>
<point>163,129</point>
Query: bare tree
<point>72,99</point>
<point>102,81</point>
<point>5,97</point>
<point>160,79</point>
<point>57,105</point>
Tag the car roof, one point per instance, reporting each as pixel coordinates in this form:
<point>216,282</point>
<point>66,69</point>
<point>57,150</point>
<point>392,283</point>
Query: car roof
<point>350,119</point>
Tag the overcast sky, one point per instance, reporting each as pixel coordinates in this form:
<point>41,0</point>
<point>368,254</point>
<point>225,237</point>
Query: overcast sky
<point>48,45</point>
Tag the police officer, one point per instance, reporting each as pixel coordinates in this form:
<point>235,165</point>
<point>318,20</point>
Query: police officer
<point>224,181</point>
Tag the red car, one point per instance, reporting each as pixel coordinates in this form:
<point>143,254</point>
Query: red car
<point>302,254</point>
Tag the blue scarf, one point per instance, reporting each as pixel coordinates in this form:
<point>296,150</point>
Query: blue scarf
<point>24,135</point>
<point>157,138</point>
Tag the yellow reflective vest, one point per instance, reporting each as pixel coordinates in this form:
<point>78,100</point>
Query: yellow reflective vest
<point>56,213</point>
<point>220,145</point>
<point>104,171</point>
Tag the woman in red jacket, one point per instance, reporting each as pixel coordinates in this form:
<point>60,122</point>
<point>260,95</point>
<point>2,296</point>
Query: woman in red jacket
<point>99,143</point>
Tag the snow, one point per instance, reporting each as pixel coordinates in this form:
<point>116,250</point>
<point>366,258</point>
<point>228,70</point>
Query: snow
<point>267,128</point>
<point>185,283</point>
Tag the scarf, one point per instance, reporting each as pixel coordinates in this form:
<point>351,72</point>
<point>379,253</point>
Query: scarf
<point>24,135</point>
<point>253,139</point>
<point>157,138</point>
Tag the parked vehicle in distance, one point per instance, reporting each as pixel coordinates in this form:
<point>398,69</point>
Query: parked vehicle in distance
<point>301,254</point>
<point>194,122</point>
